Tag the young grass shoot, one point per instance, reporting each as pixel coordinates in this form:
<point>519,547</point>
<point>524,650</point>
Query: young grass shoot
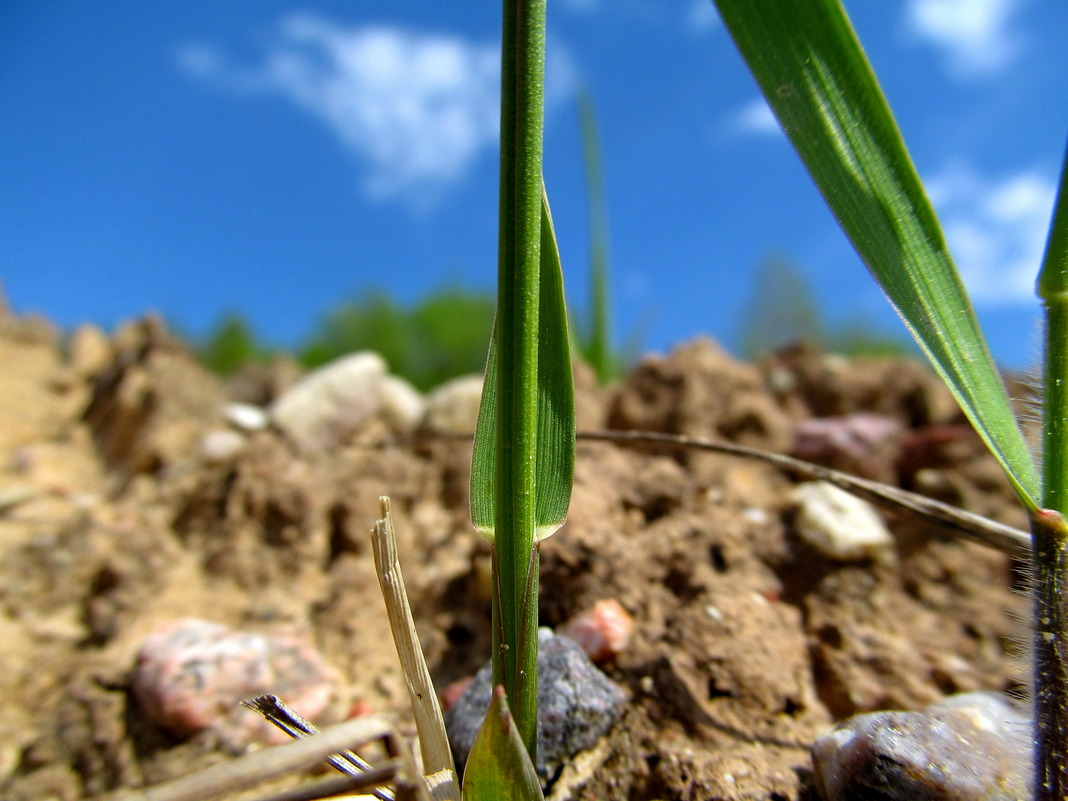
<point>815,76</point>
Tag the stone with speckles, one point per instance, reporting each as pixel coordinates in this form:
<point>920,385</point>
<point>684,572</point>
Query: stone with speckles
<point>968,747</point>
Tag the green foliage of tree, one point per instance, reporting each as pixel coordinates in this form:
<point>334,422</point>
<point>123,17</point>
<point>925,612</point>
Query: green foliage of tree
<point>230,346</point>
<point>442,336</point>
<point>783,310</point>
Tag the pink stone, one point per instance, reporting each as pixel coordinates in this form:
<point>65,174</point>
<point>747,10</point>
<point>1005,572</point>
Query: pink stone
<point>603,631</point>
<point>452,692</point>
<point>192,675</point>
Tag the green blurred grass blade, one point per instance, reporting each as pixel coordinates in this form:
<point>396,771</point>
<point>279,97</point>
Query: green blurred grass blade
<point>499,768</point>
<point>596,341</point>
<point>817,79</point>
<point>556,408</point>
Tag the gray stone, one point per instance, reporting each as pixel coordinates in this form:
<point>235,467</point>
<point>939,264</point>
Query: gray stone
<point>577,704</point>
<point>968,747</point>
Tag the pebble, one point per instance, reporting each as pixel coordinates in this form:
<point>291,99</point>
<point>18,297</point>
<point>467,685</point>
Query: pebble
<point>840,525</point>
<point>577,704</point>
<point>246,416</point>
<point>603,631</point>
<point>221,446</point>
<point>968,747</point>
<point>452,408</point>
<point>330,403</point>
<point>192,675</point>
<point>862,442</point>
<point>403,406</point>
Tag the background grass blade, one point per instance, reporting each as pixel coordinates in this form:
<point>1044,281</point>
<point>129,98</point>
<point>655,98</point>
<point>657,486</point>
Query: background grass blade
<point>596,341</point>
<point>814,74</point>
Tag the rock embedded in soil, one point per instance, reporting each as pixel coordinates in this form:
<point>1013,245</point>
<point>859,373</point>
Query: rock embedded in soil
<point>192,675</point>
<point>861,443</point>
<point>452,408</point>
<point>603,631</point>
<point>330,403</point>
<point>840,525</point>
<point>577,704</point>
<point>968,747</point>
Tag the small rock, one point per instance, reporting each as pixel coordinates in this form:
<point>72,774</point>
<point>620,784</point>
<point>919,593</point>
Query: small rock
<point>402,404</point>
<point>577,704</point>
<point>840,525</point>
<point>192,675</point>
<point>861,443</point>
<point>452,408</point>
<point>247,416</point>
<point>221,446</point>
<point>968,747</point>
<point>603,631</point>
<point>452,692</point>
<point>330,403</point>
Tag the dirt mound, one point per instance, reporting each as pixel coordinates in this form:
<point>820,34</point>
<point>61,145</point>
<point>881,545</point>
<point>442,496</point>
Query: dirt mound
<point>119,514</point>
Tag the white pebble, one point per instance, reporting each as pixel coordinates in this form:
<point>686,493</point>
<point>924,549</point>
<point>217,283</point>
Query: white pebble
<point>840,525</point>
<point>402,404</point>
<point>452,408</point>
<point>221,446</point>
<point>246,416</point>
<point>330,403</point>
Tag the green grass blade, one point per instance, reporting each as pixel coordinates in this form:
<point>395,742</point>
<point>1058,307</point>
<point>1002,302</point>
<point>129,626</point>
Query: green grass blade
<point>499,768</point>
<point>814,74</point>
<point>556,390</point>
<point>1053,289</point>
<point>555,456</point>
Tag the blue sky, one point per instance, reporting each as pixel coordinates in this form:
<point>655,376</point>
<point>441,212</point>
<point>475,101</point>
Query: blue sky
<point>276,158</point>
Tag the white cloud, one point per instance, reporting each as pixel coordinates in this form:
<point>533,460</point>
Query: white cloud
<point>755,117</point>
<point>974,34</point>
<point>996,230</point>
<point>417,109</point>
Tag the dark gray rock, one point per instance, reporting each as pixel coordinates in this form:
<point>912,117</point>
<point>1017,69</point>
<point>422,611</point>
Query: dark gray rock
<point>577,704</point>
<point>968,747</point>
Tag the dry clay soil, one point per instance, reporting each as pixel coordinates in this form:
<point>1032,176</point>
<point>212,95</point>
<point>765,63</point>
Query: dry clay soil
<point>748,643</point>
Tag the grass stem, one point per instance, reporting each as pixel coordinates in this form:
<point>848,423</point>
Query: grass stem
<point>1049,530</point>
<point>522,81</point>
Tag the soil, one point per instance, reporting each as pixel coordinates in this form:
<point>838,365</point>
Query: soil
<point>748,643</point>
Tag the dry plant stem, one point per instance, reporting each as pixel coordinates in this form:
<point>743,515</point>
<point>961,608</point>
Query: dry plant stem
<point>270,763</point>
<point>1007,539</point>
<point>285,718</point>
<point>334,786</point>
<point>1050,658</point>
<point>437,756</point>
